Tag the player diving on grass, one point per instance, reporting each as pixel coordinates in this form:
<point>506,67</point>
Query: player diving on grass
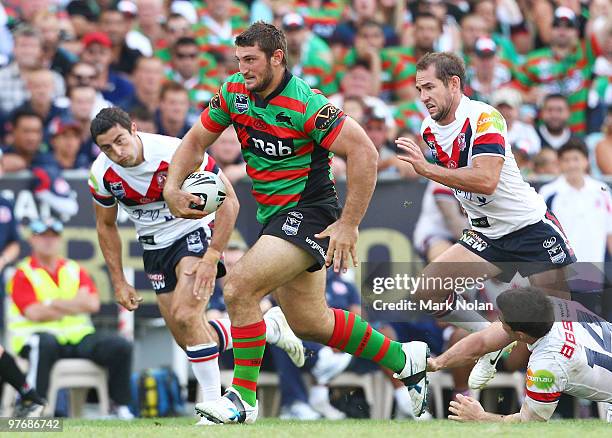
<point>509,220</point>
<point>571,352</point>
<point>288,134</point>
<point>182,266</point>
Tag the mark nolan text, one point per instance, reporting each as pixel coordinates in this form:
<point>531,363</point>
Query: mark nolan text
<point>430,305</point>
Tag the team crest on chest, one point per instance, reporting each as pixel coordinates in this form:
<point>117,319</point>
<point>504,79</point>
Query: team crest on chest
<point>117,189</point>
<point>161,179</point>
<point>461,141</point>
<point>242,103</point>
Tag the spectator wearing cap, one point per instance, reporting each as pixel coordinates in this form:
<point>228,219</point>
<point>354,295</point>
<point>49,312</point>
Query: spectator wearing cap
<point>40,86</point>
<point>66,144</point>
<point>27,57</point>
<point>486,73</point>
<point>97,50</point>
<point>50,316</point>
<point>521,135</point>
<point>566,68</point>
<point>581,203</point>
<point>83,16</point>
<point>148,78</point>
<point>308,56</point>
<point>55,57</point>
<point>116,25</point>
<point>397,76</point>
<point>171,117</point>
<point>193,70</point>
<point>218,23</point>
<point>554,129</point>
<point>473,26</point>
<point>134,39</point>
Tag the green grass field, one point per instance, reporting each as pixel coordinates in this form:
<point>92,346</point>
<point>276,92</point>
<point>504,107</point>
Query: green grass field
<point>272,428</point>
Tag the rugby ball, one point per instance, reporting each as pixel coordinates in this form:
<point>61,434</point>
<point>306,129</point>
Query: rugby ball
<point>208,187</point>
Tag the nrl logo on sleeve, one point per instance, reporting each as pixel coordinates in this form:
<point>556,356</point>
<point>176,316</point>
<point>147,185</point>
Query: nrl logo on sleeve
<point>215,102</point>
<point>487,120</point>
<point>242,103</point>
<point>326,116</point>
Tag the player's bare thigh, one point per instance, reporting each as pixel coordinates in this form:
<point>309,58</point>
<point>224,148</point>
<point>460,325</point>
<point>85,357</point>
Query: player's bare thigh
<point>269,263</point>
<point>437,247</point>
<point>455,262</point>
<point>303,302</point>
<point>183,313</point>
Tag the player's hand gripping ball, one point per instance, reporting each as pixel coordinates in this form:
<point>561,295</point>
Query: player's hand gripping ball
<point>208,187</point>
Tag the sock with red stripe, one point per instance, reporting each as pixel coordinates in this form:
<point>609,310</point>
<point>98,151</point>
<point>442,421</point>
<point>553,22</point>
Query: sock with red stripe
<point>357,337</point>
<point>461,316</point>
<point>223,327</point>
<point>249,346</point>
<point>204,360</point>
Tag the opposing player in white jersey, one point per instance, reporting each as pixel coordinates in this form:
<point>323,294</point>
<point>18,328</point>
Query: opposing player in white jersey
<point>180,263</point>
<point>509,221</point>
<point>571,352</point>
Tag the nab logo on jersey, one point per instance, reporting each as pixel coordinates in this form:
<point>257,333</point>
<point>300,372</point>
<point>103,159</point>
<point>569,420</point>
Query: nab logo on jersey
<point>270,146</point>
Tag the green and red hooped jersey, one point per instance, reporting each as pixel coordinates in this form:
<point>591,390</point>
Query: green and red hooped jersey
<point>285,140</point>
<point>570,76</point>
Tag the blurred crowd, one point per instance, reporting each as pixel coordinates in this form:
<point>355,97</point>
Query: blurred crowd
<point>545,64</point>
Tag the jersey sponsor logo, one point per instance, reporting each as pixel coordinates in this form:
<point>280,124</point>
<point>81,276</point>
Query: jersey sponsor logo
<point>473,240</point>
<point>326,116</point>
<point>242,103</point>
<point>117,189</point>
<point>487,120</point>
<point>314,245</point>
<point>557,254</point>
<point>215,102</point>
<point>481,222</point>
<point>548,243</point>
<point>541,379</point>
<point>270,146</point>
<point>283,118</point>
<point>194,242</point>
<point>461,141</point>
<point>291,226</point>
<point>158,280</point>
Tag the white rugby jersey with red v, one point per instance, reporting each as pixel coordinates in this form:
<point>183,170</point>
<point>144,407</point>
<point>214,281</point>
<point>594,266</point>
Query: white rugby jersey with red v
<point>138,190</point>
<point>479,130</point>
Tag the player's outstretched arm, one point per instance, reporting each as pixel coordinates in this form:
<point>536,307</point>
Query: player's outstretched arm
<point>225,218</point>
<point>110,244</point>
<point>481,177</point>
<point>469,409</point>
<point>469,349</point>
<point>186,159</point>
<point>361,156</point>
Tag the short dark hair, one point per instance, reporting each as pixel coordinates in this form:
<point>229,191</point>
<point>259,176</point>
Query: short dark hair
<point>447,65</point>
<point>427,15</point>
<point>22,113</point>
<point>267,36</point>
<point>574,144</point>
<point>171,87</point>
<point>106,119</point>
<point>526,309</point>
<point>142,113</point>
<point>369,22</point>
<point>553,96</point>
<point>184,41</point>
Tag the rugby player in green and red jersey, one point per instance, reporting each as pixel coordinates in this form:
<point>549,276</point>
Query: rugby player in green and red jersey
<point>289,133</point>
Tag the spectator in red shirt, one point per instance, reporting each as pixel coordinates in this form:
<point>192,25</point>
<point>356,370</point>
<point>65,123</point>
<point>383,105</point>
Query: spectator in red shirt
<point>50,320</point>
